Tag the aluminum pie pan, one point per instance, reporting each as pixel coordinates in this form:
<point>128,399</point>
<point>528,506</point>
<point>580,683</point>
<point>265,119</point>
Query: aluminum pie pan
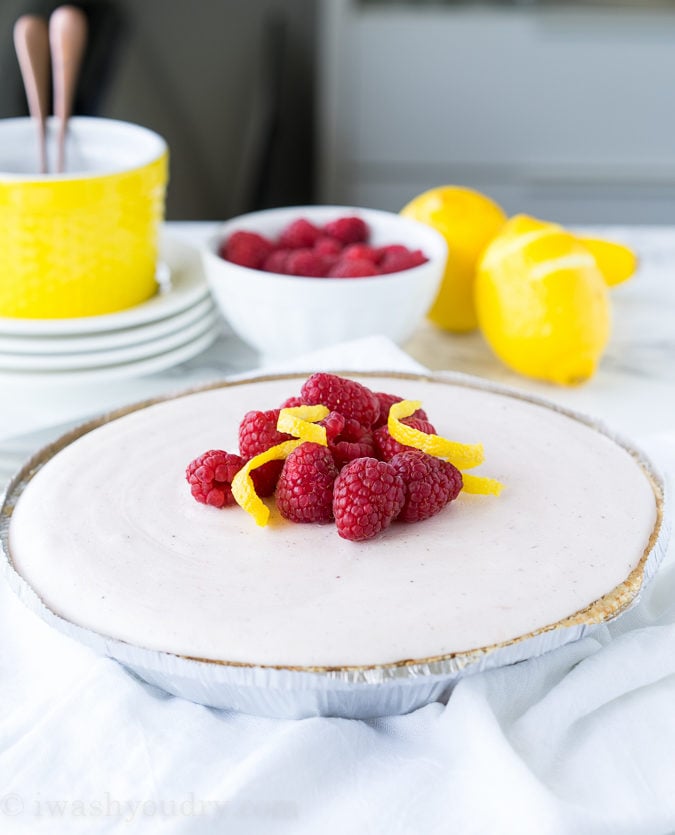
<point>352,692</point>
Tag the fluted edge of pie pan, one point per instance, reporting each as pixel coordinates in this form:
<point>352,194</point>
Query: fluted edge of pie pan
<point>352,692</point>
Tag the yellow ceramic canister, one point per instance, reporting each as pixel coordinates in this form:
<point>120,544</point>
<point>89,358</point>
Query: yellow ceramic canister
<point>85,242</point>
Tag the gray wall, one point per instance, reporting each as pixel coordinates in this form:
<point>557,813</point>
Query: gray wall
<point>565,112</point>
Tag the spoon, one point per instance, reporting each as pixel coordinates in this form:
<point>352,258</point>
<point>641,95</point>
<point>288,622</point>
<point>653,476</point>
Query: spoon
<point>67,37</point>
<point>31,42</point>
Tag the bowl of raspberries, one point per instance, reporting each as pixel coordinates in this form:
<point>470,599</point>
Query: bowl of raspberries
<point>296,279</point>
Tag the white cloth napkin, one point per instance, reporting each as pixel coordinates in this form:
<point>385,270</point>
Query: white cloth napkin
<point>581,740</point>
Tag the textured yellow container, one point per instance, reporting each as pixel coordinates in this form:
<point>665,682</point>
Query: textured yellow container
<point>83,243</point>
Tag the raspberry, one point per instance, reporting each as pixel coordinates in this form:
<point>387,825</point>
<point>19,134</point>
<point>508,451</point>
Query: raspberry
<point>367,495</point>
<point>386,402</point>
<point>362,252</point>
<point>329,261</point>
<point>387,447</point>
<point>305,262</point>
<point>338,394</point>
<point>430,484</point>
<point>390,250</point>
<point>334,423</point>
<point>248,249</point>
<point>265,478</point>
<point>210,477</point>
<point>305,488</point>
<point>292,402</point>
<point>353,268</point>
<point>325,245</point>
<point>347,439</point>
<point>394,262</point>
<point>276,261</point>
<point>348,230</point>
<point>258,432</point>
<point>354,441</point>
<point>299,235</point>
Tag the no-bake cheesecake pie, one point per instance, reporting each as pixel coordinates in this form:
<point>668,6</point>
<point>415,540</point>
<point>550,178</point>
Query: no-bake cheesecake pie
<point>109,537</point>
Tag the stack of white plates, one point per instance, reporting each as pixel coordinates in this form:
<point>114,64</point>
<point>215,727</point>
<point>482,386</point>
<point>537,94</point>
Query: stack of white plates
<point>175,325</point>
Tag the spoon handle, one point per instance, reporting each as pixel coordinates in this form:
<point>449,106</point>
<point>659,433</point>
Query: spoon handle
<point>31,41</point>
<point>67,37</point>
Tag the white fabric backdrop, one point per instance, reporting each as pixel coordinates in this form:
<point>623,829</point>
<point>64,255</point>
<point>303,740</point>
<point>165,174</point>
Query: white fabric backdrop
<point>581,740</point>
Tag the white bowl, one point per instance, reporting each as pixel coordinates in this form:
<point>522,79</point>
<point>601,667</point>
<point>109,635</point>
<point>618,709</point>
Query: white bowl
<point>284,315</point>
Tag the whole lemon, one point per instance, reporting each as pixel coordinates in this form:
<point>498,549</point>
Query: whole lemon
<point>468,221</point>
<point>542,302</point>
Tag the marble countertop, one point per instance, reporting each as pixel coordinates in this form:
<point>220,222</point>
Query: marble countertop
<point>633,390</point>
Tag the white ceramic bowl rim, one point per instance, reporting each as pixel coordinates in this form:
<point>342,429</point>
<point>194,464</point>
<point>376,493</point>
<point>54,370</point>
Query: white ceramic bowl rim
<point>433,246</point>
<point>105,147</point>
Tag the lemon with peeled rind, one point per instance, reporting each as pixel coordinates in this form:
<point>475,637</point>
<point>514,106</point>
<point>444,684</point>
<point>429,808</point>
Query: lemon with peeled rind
<point>514,240</point>
<point>615,261</point>
<point>468,221</point>
<point>542,302</point>
<point>523,224</point>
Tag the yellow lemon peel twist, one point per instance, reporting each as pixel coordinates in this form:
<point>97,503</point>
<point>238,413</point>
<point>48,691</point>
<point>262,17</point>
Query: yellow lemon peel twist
<point>463,456</point>
<point>481,486</point>
<point>243,489</point>
<point>301,422</point>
